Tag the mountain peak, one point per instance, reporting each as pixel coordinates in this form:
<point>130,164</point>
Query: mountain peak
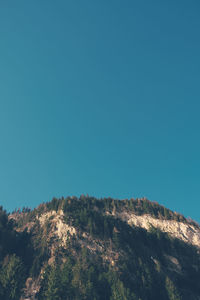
<point>88,248</point>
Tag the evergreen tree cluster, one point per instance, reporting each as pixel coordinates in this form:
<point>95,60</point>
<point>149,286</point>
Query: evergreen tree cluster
<point>133,264</point>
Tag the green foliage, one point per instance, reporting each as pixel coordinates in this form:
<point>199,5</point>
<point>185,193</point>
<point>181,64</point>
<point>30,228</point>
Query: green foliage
<point>141,271</point>
<point>80,279</point>
<point>138,206</point>
<point>132,263</point>
<point>172,292</point>
<point>119,291</point>
<point>12,277</point>
<point>53,284</point>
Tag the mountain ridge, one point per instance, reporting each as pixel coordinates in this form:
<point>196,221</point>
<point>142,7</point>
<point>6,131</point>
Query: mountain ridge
<point>103,249</point>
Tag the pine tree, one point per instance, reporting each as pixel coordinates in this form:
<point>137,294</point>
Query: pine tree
<point>53,285</point>
<point>171,290</point>
<point>12,277</point>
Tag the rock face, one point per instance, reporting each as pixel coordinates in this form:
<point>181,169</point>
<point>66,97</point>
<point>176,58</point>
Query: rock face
<point>79,236</point>
<point>185,232</point>
<point>59,228</point>
<point>31,289</point>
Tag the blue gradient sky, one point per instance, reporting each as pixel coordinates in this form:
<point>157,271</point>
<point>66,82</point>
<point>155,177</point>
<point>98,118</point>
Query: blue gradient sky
<point>100,97</point>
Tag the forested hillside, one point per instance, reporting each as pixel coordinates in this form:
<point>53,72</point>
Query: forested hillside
<point>87,248</point>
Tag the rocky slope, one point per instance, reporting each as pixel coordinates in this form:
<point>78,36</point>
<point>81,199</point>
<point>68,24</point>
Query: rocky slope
<point>135,249</point>
<point>184,231</point>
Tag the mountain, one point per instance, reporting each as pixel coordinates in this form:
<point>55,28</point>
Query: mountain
<point>88,248</point>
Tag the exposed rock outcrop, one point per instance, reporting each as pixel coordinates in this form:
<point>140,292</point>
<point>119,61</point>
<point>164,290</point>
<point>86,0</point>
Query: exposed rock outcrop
<point>183,231</point>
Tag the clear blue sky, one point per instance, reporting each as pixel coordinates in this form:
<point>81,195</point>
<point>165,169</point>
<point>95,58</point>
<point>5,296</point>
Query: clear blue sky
<point>100,97</point>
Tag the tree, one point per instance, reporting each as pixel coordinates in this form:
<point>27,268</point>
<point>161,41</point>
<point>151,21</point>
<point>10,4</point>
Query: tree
<point>119,292</point>
<point>171,290</point>
<point>12,277</point>
<point>53,284</point>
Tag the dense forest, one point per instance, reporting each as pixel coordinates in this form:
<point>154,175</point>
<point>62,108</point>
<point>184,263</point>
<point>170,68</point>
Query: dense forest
<point>104,257</point>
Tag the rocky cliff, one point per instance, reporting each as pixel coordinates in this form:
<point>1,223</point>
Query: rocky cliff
<point>87,248</point>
